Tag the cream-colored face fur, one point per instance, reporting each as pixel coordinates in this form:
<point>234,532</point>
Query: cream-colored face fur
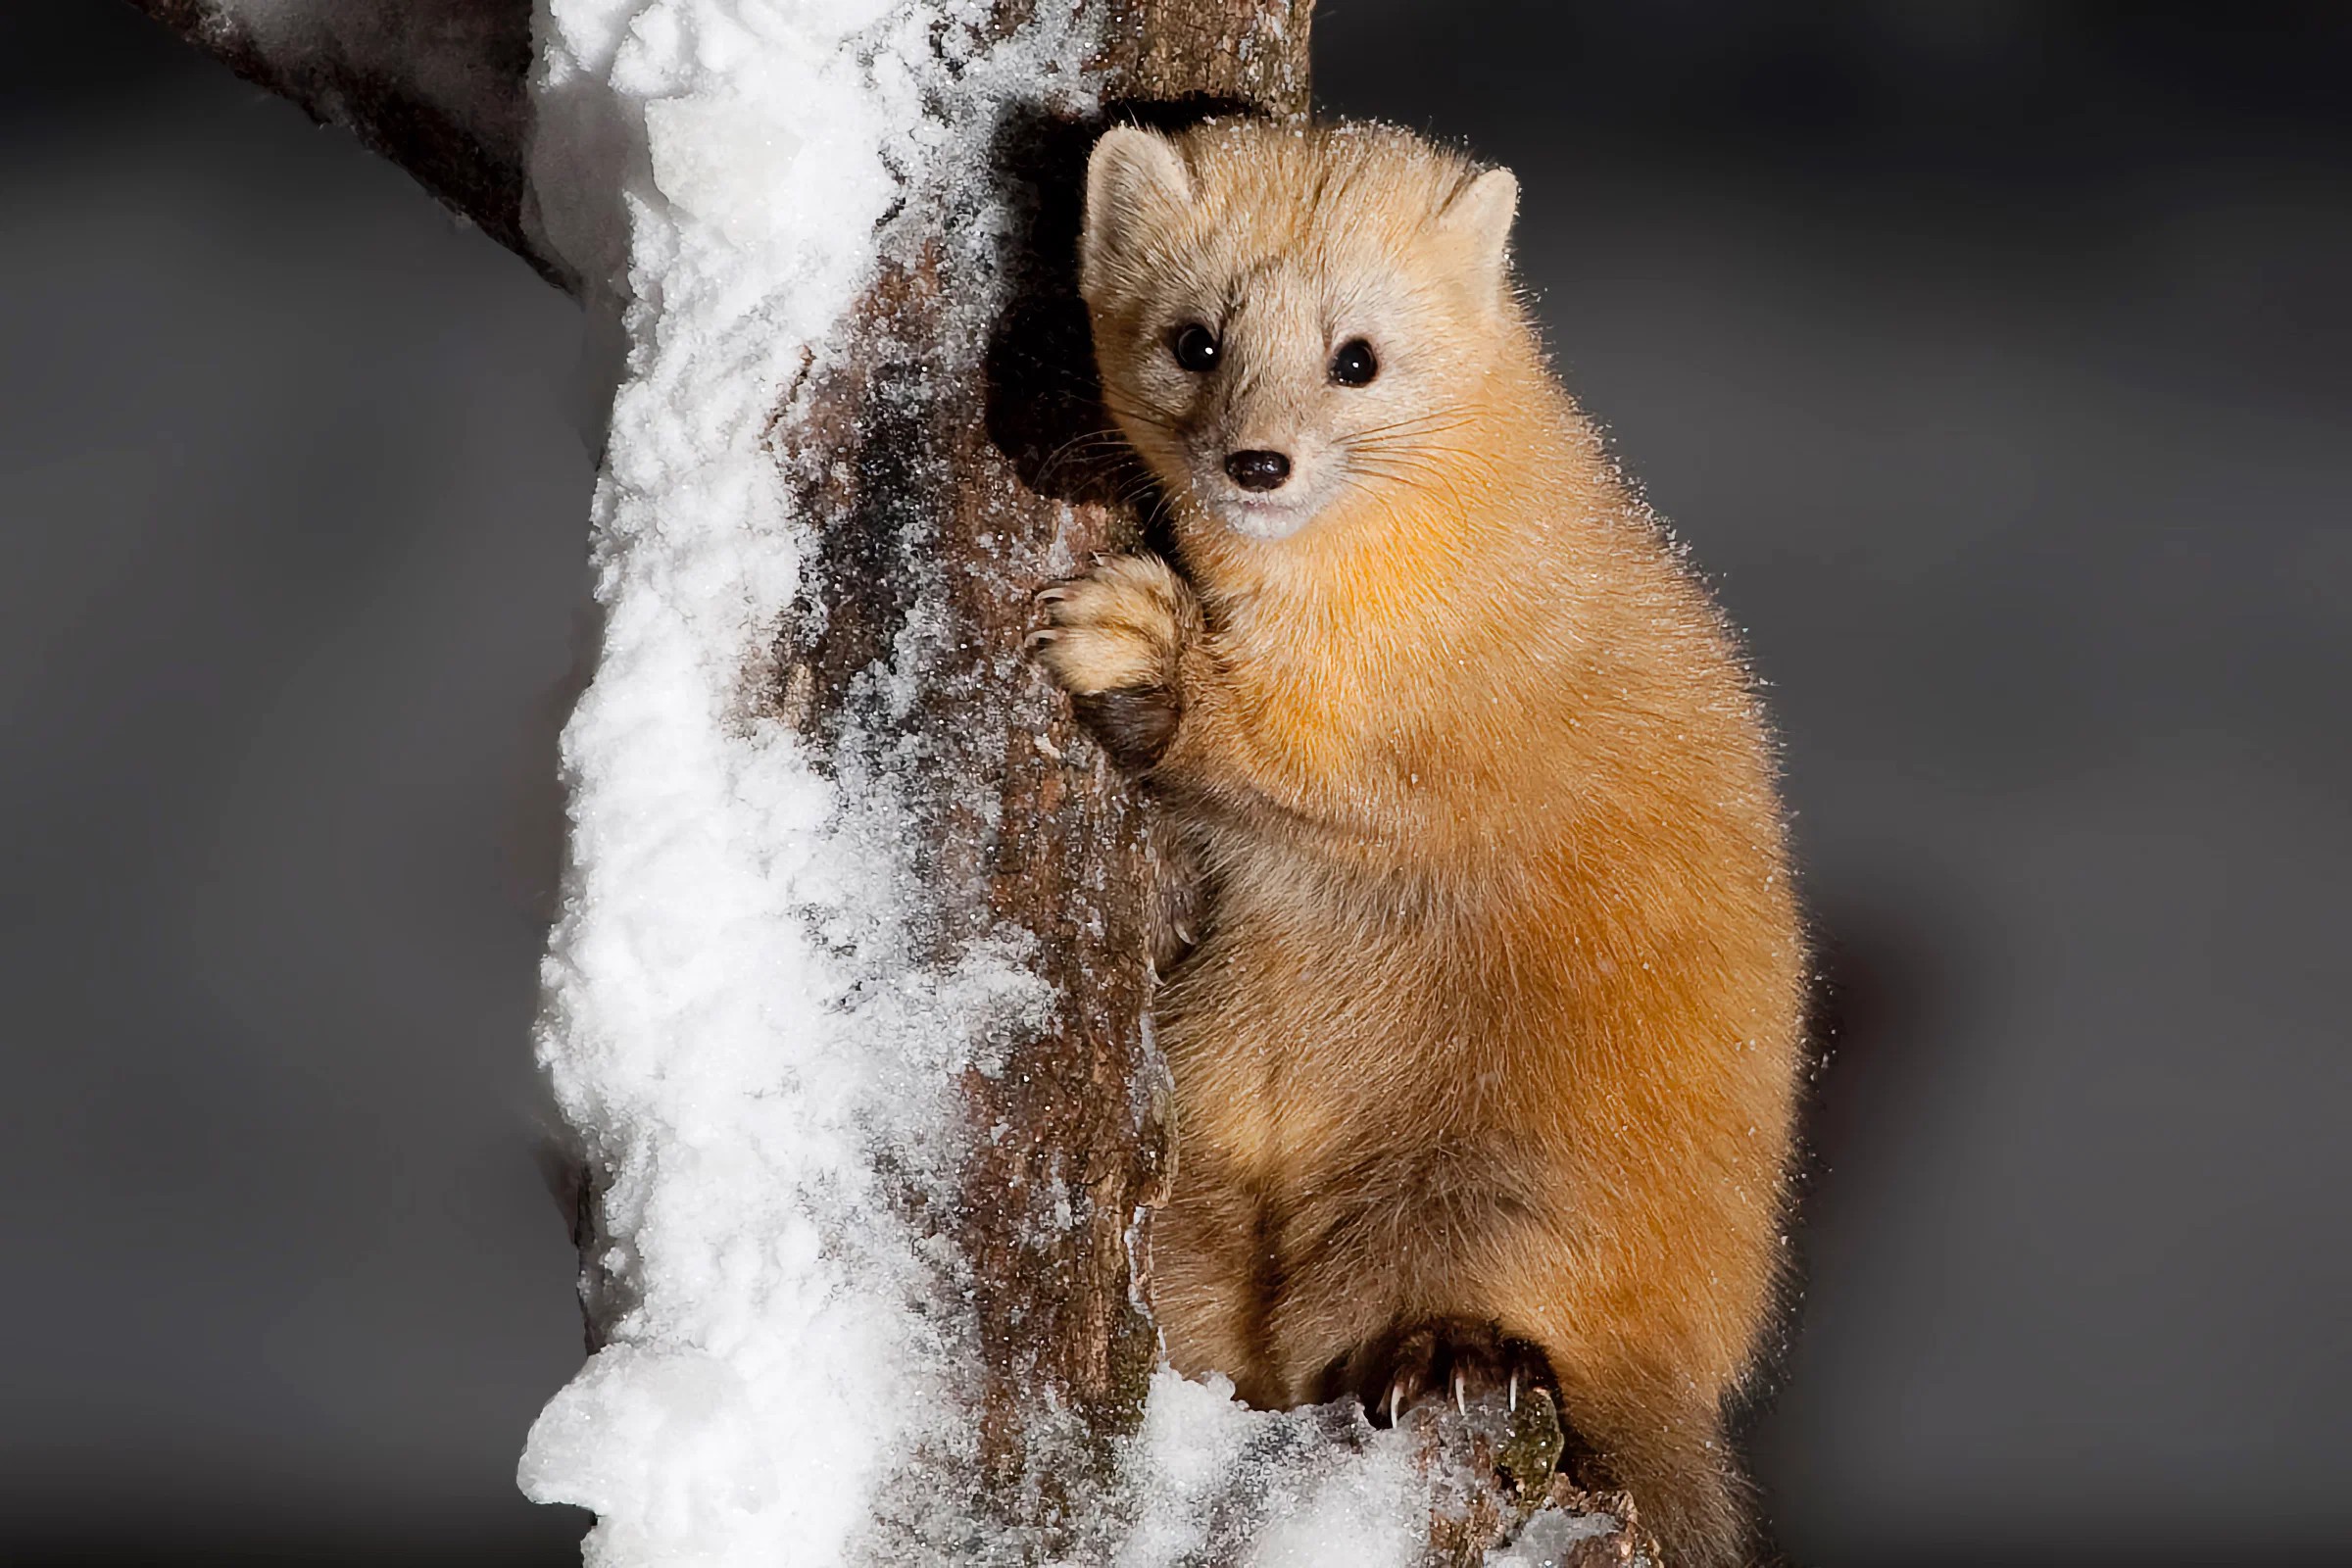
<point>1243,277</point>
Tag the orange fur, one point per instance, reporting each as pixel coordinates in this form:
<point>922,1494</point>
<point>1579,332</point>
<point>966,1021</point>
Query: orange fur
<point>1495,1012</point>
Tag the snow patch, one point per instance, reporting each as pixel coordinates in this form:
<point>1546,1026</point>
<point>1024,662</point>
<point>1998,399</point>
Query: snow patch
<point>743,1020</point>
<point>703,1457</point>
<point>1210,1480</point>
<point>1549,1538</point>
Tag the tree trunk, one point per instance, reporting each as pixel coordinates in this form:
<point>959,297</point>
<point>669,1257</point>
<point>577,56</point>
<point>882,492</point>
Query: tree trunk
<point>1051,839</point>
<point>962,493</point>
<point>1068,863</point>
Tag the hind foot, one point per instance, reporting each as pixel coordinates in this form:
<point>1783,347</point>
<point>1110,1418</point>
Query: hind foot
<point>1452,1359</point>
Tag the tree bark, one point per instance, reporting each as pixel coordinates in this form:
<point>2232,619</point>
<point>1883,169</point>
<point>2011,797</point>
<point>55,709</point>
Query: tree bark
<point>962,493</point>
<point>1027,825</point>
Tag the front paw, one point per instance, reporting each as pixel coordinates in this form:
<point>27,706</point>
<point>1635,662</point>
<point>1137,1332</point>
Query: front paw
<point>1113,643</point>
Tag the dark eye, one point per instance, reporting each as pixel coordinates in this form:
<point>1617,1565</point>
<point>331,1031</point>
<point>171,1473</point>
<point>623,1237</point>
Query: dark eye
<point>1196,348</point>
<point>1354,365</point>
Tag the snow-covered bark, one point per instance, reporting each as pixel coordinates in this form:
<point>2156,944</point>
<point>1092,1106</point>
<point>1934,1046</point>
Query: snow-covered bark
<point>844,1002</point>
<point>756,1018</point>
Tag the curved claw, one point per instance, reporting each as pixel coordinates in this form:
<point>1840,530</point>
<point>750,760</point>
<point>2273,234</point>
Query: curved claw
<point>1038,639</point>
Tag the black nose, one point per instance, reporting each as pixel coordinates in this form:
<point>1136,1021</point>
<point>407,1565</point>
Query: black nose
<point>1258,470</point>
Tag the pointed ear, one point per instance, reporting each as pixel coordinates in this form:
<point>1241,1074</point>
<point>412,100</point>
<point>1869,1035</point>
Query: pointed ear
<point>1481,214</point>
<point>1132,175</point>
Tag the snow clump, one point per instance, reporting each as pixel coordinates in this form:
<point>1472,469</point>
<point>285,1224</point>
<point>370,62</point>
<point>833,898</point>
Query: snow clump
<point>1207,1480</point>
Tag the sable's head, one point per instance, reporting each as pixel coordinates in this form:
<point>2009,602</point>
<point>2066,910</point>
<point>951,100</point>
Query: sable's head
<point>1289,317</point>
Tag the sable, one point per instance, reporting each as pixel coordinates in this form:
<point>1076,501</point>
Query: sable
<point>1486,1058</point>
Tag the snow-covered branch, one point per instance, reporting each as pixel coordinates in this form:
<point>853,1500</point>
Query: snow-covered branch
<point>440,88</point>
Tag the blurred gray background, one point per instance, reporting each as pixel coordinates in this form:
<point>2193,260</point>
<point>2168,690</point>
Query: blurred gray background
<point>1992,358</point>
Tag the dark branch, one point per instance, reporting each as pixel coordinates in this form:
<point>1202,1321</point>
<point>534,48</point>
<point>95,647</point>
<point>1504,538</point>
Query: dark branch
<point>440,88</point>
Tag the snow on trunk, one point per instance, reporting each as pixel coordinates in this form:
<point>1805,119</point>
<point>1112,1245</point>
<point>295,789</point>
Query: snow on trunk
<point>741,1022</point>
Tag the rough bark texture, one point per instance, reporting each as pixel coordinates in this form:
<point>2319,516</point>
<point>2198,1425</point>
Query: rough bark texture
<point>953,500</point>
<point>971,496</point>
